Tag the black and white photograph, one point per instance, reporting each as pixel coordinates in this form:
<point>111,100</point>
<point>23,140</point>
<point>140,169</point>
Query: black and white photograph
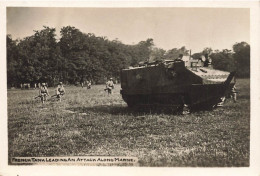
<point>128,86</point>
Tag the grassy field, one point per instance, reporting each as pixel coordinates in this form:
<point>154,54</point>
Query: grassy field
<point>89,122</point>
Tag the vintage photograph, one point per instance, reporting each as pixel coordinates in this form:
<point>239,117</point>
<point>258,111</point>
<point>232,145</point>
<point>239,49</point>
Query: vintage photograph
<point>135,87</point>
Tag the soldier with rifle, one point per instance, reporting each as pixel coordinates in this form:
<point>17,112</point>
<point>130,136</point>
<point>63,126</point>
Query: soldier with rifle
<point>43,93</point>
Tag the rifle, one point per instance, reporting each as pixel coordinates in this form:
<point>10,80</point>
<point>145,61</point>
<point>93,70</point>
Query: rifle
<point>55,95</point>
<point>106,89</point>
<point>39,96</point>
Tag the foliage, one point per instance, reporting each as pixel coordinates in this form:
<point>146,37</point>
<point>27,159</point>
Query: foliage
<point>223,60</point>
<point>237,60</point>
<point>242,58</point>
<point>157,54</point>
<point>79,57</point>
<point>12,61</point>
<point>35,57</point>
<point>75,57</point>
<point>175,52</point>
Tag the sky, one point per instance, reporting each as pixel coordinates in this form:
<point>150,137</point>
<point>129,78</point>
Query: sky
<point>194,28</point>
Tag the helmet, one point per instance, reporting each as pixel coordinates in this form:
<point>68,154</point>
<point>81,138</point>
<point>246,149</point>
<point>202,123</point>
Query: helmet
<point>43,84</point>
<point>111,78</point>
<point>60,83</point>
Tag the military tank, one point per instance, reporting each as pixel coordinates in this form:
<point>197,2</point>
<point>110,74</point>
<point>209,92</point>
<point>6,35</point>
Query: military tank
<point>176,83</point>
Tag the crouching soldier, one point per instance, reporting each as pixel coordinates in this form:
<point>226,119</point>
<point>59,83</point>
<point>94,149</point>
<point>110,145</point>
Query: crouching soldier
<point>221,101</point>
<point>43,93</point>
<point>60,91</point>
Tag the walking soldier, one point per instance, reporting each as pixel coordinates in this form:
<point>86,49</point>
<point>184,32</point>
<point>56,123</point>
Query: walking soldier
<point>43,93</point>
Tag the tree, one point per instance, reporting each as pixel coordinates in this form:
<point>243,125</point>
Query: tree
<point>207,51</point>
<point>242,59</point>
<point>157,54</point>
<point>12,62</point>
<point>79,56</point>
<point>196,56</point>
<point>93,57</point>
<point>38,54</point>
<point>174,53</point>
<point>223,60</point>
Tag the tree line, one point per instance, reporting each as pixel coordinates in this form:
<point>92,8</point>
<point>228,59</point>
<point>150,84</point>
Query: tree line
<point>78,56</point>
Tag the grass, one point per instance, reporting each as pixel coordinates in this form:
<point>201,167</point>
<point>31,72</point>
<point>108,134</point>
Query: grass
<point>88,122</point>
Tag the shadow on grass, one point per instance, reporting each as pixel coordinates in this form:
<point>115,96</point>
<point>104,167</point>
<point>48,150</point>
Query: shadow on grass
<point>124,110</point>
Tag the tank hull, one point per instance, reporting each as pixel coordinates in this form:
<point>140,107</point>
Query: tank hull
<point>194,95</point>
<point>174,85</point>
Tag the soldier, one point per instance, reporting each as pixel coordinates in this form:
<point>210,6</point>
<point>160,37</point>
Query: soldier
<point>185,107</point>
<point>222,101</point>
<point>109,86</point>
<point>82,82</point>
<point>88,84</point>
<point>60,91</point>
<point>234,93</point>
<point>43,93</point>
